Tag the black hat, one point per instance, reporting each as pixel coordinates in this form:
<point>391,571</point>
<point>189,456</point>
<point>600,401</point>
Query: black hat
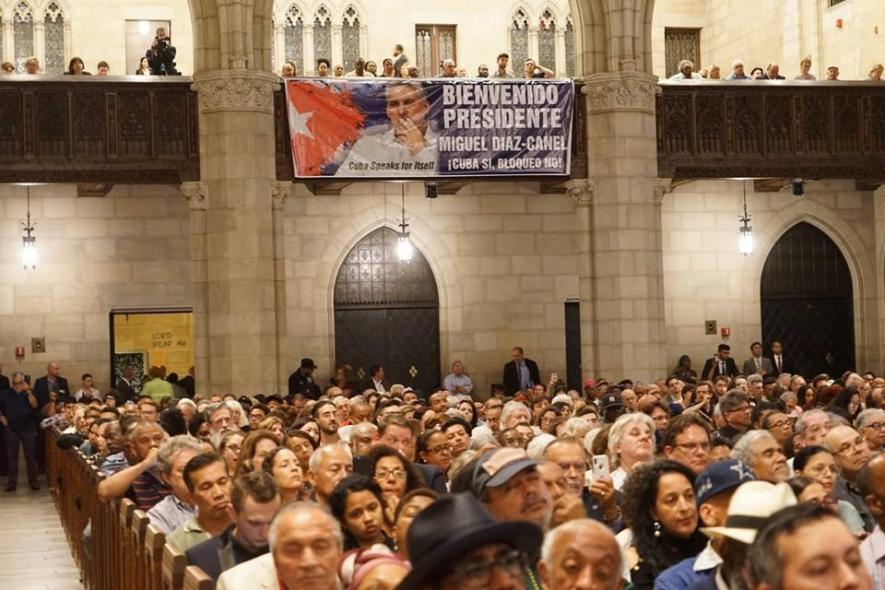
<point>261,398</point>
<point>307,363</point>
<point>453,526</point>
<point>245,400</point>
<point>611,400</point>
<point>274,398</point>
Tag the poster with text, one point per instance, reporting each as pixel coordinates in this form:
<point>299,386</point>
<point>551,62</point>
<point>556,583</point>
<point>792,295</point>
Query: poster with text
<point>395,128</point>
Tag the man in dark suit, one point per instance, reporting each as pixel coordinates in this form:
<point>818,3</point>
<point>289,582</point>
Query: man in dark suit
<point>521,373</point>
<point>125,391</point>
<point>720,364</point>
<point>376,380</point>
<point>255,500</point>
<point>49,388</point>
<point>779,364</point>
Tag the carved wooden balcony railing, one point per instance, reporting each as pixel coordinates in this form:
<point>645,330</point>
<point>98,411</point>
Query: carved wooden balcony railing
<point>121,129</point>
<point>771,129</point>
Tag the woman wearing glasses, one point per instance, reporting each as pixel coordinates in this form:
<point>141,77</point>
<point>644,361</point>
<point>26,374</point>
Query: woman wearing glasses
<point>395,474</point>
<point>818,464</point>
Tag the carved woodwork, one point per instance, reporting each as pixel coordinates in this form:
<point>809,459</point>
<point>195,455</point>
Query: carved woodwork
<point>771,129</point>
<point>119,130</point>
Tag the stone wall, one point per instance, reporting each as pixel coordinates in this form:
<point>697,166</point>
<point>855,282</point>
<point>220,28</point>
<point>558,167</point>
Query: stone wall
<point>130,248</point>
<point>705,278</point>
<point>504,257</point>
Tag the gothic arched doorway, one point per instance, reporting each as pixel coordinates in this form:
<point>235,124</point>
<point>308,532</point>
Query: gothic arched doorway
<point>807,302</point>
<point>387,313</point>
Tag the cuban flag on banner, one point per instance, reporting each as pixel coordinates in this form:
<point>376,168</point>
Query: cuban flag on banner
<point>322,119</point>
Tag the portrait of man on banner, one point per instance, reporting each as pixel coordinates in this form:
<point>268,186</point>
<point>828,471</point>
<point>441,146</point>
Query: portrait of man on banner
<point>409,144</point>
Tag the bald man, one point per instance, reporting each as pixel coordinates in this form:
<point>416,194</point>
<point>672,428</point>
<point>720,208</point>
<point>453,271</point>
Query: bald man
<point>581,554</point>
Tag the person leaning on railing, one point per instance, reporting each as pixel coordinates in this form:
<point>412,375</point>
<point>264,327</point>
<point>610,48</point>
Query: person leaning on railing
<point>147,489</point>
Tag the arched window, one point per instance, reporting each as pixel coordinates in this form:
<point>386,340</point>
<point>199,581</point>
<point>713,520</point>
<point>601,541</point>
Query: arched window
<point>547,40</point>
<point>322,34</point>
<point>293,29</point>
<point>519,41</point>
<point>23,34</point>
<point>350,38</point>
<point>54,36</point>
<point>571,52</point>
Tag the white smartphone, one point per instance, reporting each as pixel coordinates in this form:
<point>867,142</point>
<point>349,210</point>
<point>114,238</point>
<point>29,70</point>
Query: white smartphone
<point>600,466</point>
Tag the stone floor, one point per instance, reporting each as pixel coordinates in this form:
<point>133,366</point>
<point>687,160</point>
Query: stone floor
<point>33,550</point>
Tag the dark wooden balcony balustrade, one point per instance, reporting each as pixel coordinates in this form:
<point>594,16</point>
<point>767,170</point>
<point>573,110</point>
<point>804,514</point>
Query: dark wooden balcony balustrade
<point>771,129</point>
<point>121,129</point>
<point>137,130</point>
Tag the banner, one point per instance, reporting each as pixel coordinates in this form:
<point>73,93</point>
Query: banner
<point>398,128</point>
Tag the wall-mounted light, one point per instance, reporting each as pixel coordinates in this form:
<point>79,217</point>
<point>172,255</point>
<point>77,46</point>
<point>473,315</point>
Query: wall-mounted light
<point>403,244</point>
<point>745,236</point>
<point>29,240</point>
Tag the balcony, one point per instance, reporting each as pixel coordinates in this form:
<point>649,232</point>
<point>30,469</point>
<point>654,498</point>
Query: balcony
<point>119,129</point>
<point>128,129</point>
<point>772,129</point>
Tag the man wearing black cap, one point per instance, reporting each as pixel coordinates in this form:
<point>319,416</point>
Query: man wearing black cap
<point>455,544</point>
<point>301,380</point>
<point>611,406</point>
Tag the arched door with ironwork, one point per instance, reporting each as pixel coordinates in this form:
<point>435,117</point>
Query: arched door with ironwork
<point>387,313</point>
<point>807,302</point>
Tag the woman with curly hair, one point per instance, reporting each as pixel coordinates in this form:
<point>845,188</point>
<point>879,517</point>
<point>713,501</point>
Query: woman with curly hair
<point>662,519</point>
<point>394,473</point>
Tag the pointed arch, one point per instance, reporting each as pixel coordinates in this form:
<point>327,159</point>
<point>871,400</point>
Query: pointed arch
<point>293,21</point>
<point>518,33</point>
<point>571,52</point>
<point>548,22</point>
<point>322,32</point>
<point>352,25</point>
<point>54,41</point>
<point>23,33</point>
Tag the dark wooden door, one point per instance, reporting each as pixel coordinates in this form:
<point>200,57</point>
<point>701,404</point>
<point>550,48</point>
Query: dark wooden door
<point>433,45</point>
<point>807,302</point>
<point>387,313</point>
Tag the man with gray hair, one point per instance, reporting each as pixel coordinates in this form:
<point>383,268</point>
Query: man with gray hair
<point>175,509</point>
<point>578,552</point>
<point>328,465</point>
<point>736,412</point>
<point>763,454</point>
<point>811,428</point>
<point>871,424</point>
<point>756,388</point>
<point>305,547</point>
<point>514,413</point>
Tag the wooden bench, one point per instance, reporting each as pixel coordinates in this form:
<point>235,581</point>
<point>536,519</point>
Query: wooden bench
<point>196,579</point>
<point>174,564</point>
<point>154,541</point>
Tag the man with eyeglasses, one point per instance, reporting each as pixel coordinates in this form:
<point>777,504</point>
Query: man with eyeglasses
<point>18,407</point>
<point>687,441</point>
<point>852,454</point>
<point>454,544</point>
<point>600,499</point>
<point>871,424</point>
<point>736,412</point>
<point>326,415</point>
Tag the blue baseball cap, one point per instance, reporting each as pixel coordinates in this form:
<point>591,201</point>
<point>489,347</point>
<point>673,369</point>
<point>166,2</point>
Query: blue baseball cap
<point>720,477</point>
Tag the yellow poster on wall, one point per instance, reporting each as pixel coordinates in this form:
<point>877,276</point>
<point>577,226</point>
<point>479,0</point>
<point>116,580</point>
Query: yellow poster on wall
<point>167,339</point>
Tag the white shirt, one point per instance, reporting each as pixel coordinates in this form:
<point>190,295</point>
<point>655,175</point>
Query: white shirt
<point>872,551</point>
<point>619,476</point>
<point>384,149</point>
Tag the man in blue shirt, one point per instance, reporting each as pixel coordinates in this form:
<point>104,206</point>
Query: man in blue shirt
<point>18,414</point>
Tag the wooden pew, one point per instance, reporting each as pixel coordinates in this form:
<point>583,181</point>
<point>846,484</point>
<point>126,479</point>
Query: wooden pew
<point>154,541</point>
<point>196,579</point>
<point>138,533</point>
<point>174,564</point>
<point>122,549</point>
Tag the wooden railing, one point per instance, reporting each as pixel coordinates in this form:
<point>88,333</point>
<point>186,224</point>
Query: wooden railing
<point>121,129</point>
<point>771,129</point>
<point>121,550</point>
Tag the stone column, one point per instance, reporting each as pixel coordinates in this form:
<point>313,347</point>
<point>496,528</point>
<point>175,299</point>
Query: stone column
<point>197,196</point>
<point>237,165</point>
<point>40,41</point>
<point>534,50</point>
<point>9,41</point>
<point>279,50</point>
<point>337,46</point>
<point>874,358</point>
<point>279,193</point>
<point>560,52</point>
<point>582,192</point>
<point>310,60</point>
<point>626,225</point>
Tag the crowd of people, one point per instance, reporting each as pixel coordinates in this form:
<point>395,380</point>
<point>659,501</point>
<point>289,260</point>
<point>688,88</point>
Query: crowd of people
<point>398,66</point>
<point>687,71</point>
<point>158,60</point>
<point>739,479</point>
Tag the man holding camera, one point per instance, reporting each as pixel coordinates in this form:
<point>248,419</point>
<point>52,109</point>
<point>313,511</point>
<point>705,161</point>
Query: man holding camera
<point>18,414</point>
<point>161,55</point>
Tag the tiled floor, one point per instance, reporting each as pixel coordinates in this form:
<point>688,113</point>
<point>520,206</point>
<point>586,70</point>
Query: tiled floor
<point>34,554</point>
